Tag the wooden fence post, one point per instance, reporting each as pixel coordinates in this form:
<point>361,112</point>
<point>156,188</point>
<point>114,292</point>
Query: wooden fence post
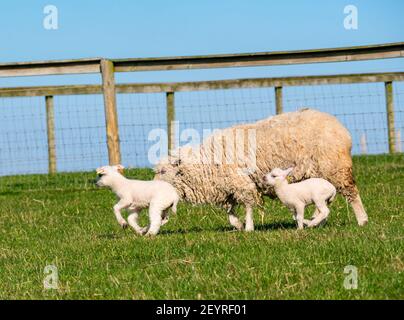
<point>363,144</point>
<point>399,141</point>
<point>278,100</point>
<point>50,130</point>
<point>111,115</point>
<point>170,120</point>
<point>390,116</point>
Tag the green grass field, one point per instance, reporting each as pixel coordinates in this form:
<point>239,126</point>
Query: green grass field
<point>63,221</point>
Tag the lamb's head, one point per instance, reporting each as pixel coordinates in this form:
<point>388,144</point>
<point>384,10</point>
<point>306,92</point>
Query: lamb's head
<point>276,175</point>
<point>108,174</point>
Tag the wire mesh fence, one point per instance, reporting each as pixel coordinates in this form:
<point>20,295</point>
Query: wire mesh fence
<point>80,136</point>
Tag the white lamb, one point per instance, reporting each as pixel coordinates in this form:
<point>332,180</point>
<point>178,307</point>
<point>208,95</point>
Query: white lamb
<point>297,196</point>
<point>135,195</point>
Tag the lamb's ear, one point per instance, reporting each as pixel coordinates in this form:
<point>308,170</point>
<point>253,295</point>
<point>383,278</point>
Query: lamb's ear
<point>288,171</point>
<point>100,170</point>
<point>120,168</point>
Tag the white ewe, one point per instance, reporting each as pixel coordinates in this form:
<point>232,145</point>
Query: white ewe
<point>282,141</point>
<point>297,196</point>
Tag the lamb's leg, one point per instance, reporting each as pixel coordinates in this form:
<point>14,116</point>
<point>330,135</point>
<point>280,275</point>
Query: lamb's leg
<point>300,216</point>
<point>165,217</point>
<point>234,220</point>
<point>305,221</point>
<point>122,204</point>
<point>133,222</point>
<point>322,216</point>
<point>249,221</point>
<point>316,212</point>
<point>155,216</point>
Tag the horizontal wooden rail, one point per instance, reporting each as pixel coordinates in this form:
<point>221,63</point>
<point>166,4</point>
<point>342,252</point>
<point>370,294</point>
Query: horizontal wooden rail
<point>204,85</point>
<point>370,52</point>
<point>53,67</point>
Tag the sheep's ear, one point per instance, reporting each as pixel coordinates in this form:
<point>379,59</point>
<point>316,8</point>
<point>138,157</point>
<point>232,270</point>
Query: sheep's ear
<point>288,171</point>
<point>100,170</point>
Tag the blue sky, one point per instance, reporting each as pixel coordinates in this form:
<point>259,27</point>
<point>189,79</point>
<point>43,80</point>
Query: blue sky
<point>140,28</point>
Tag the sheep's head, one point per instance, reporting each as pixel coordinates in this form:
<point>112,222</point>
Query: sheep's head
<point>107,174</point>
<point>276,175</point>
<point>167,169</point>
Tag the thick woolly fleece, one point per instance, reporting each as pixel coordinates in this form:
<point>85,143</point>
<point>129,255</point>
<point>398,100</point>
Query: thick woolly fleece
<point>316,144</point>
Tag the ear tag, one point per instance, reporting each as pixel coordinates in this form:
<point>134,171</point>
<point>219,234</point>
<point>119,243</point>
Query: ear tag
<point>289,179</point>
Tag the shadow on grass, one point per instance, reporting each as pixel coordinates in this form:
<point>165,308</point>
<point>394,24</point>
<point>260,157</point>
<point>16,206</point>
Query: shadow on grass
<point>283,225</point>
<point>10,193</point>
<point>262,227</point>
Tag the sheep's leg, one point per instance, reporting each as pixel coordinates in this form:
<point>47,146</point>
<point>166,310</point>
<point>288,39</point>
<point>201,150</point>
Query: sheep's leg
<point>345,184</point>
<point>122,204</point>
<point>133,222</point>
<point>234,220</point>
<point>322,216</point>
<point>155,215</point>
<point>249,221</point>
<point>359,210</point>
<point>300,216</point>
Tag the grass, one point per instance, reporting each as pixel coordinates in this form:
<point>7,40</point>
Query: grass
<point>63,221</point>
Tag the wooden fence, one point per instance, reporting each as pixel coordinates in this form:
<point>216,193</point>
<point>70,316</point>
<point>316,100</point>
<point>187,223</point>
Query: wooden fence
<point>109,88</point>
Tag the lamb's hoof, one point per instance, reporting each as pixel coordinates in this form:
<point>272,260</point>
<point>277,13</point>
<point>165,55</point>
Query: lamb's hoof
<point>249,228</point>
<point>238,226</point>
<point>150,234</point>
<point>322,223</point>
<point>362,223</point>
<point>141,231</point>
<point>123,224</point>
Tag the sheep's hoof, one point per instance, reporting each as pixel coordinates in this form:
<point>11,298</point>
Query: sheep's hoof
<point>249,228</point>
